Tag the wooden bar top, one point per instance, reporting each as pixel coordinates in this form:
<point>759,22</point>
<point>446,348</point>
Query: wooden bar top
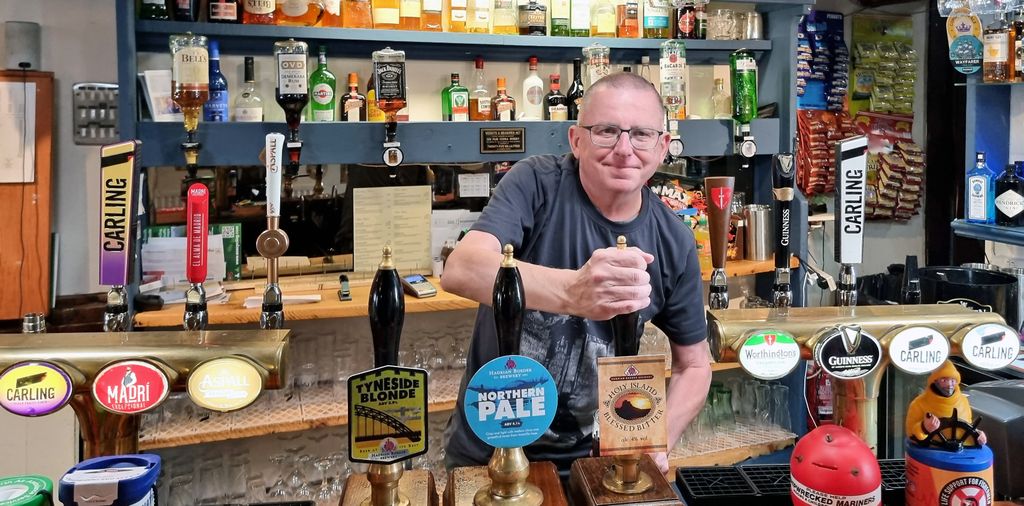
<point>232,313</point>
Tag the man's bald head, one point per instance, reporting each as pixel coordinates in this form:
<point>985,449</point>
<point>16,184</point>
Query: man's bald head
<point>638,87</point>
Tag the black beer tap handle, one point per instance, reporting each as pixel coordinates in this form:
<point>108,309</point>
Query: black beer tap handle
<point>508,304</point>
<point>626,328</point>
<point>783,177</point>
<point>390,131</point>
<point>910,289</point>
<point>387,311</point>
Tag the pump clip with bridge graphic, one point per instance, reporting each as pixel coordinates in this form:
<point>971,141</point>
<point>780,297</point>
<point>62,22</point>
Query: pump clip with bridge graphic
<point>387,415</point>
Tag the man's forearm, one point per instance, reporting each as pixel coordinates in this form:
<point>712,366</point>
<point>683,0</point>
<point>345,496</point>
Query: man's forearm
<point>475,269</point>
<point>687,392</point>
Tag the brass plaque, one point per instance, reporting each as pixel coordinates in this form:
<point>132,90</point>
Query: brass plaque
<point>502,140</point>
<point>631,404</point>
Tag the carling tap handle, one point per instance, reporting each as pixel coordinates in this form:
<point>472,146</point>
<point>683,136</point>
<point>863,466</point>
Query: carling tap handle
<point>508,304</point>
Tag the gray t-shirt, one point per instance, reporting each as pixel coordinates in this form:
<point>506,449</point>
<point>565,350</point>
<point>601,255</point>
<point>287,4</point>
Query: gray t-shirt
<point>541,209</point>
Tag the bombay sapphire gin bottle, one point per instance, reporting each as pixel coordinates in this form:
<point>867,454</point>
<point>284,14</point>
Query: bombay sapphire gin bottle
<point>980,200</point>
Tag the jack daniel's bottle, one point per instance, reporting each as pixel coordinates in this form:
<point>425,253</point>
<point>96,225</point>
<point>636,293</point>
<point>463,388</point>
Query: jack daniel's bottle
<point>1009,199</point>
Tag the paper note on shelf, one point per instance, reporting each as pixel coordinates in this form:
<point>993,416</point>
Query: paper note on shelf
<point>164,258</point>
<point>18,124</point>
<point>395,215</point>
<point>288,300</point>
<point>447,225</point>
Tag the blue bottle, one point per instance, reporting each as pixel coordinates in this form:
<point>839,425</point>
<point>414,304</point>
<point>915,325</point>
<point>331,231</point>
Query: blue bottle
<point>216,109</point>
<point>979,206</point>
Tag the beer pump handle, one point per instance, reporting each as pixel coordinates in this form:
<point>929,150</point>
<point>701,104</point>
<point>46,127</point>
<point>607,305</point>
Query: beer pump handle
<point>509,304</point>
<point>274,153</point>
<point>910,289</point>
<point>783,177</point>
<point>197,215</point>
<point>386,308</point>
<point>626,328</point>
<point>718,194</point>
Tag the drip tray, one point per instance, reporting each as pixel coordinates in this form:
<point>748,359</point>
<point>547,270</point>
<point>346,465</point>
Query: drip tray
<point>768,484</point>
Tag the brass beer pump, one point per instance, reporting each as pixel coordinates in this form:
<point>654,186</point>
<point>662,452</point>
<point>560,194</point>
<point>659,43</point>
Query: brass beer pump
<point>388,484</point>
<point>509,479</point>
<point>626,477</point>
<point>272,243</point>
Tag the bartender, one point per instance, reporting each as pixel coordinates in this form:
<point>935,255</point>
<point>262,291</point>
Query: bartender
<point>563,214</point>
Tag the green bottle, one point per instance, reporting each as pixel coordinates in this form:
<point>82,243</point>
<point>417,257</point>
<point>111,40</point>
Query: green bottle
<point>322,84</point>
<point>743,71</point>
<point>455,101</point>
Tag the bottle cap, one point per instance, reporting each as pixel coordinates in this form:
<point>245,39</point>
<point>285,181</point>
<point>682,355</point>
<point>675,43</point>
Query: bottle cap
<point>353,79</point>
<point>214,50</point>
<point>554,77</point>
<point>323,49</point>
<point>455,76</point>
<point>533,63</point>
<point>980,155</point>
<point>479,61</point>
<point>501,82</point>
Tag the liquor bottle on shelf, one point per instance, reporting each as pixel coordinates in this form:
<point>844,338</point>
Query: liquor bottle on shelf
<point>154,9</point>
<point>373,113</point>
<point>686,20</point>
<point>555,104</point>
<point>216,108</point>
<point>190,88</point>
<point>980,201</point>
<point>409,13</point>
<point>700,19</point>
<point>505,18</point>
<point>385,14</point>
<point>996,61</point>
<point>533,19</point>
<point>598,63</point>
<point>673,79</point>
<point>503,106</point>
<point>322,84</point>
<point>480,97</point>
<point>353,103</point>
<point>579,18</point>
<point>602,18</point>
<point>356,14</point>
<point>292,91</point>
<point>574,95</point>
<point>224,11</point>
<point>455,101</point>
<point>628,24</point>
<point>1018,45</point>
<point>1009,201</point>
<point>656,19</point>
<point>743,74</point>
<point>258,12</point>
<point>186,10</point>
<point>721,101</point>
<point>478,16</point>
<point>299,12</point>
<point>332,14</point>
<point>430,19</point>
<point>389,81</point>
<point>249,105</point>
<point>533,94</point>
<point>560,18</point>
<point>457,15</point>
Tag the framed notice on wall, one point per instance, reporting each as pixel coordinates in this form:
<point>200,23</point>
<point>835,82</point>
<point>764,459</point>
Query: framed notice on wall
<point>26,106</point>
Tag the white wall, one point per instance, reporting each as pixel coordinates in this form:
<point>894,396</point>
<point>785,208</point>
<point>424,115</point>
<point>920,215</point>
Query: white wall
<point>885,242</point>
<point>78,45</point>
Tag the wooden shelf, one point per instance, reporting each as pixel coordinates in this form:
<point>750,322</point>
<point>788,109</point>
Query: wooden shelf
<point>232,313</point>
<point>748,267</point>
<point>276,412</point>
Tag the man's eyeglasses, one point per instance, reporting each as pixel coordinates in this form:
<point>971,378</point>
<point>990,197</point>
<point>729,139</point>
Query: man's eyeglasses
<point>606,136</point>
